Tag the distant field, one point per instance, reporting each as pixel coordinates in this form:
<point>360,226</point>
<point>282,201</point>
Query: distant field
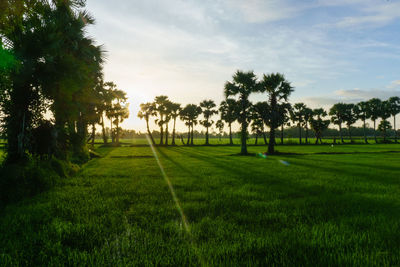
<point>314,205</point>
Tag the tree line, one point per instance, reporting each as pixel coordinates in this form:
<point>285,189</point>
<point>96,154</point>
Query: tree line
<point>275,113</point>
<point>52,89</point>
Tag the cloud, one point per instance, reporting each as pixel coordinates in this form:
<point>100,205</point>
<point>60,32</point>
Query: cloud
<point>394,84</point>
<point>356,95</point>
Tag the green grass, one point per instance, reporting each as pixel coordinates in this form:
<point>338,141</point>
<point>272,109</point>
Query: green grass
<point>310,205</point>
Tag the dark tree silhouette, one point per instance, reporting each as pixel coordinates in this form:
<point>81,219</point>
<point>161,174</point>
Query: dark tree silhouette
<point>383,127</point>
<point>318,124</point>
<point>229,113</point>
<point>394,109</point>
<point>385,113</point>
<point>361,112</point>
<point>243,84</point>
<point>337,113</point>
<point>350,117</point>
<point>190,113</point>
<point>175,110</point>
<point>278,90</point>
<point>208,111</point>
<point>147,110</point>
<point>284,116</point>
<point>220,126</point>
<point>297,116</point>
<point>161,109</point>
<point>262,110</point>
<point>374,110</point>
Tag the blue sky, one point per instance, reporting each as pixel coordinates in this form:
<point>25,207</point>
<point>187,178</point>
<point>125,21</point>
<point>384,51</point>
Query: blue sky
<point>330,50</point>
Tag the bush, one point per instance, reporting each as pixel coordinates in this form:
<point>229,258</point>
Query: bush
<point>31,177</point>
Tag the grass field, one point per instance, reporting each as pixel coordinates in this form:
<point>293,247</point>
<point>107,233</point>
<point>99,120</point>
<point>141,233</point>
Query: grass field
<point>310,205</point>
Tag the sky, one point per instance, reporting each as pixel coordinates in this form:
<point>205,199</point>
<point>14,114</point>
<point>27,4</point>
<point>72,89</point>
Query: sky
<point>330,50</point>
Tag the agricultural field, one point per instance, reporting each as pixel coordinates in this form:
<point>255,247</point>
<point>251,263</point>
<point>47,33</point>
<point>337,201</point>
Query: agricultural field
<point>205,205</point>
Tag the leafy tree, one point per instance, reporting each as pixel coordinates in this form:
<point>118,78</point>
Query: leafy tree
<point>161,109</point>
<point>243,84</point>
<point>284,116</point>
<point>394,109</point>
<point>120,111</point>
<point>147,110</point>
<point>297,116</point>
<point>190,113</point>
<point>374,111</point>
<point>337,113</point>
<point>229,113</point>
<point>385,113</point>
<point>318,124</point>
<point>308,114</point>
<point>208,111</point>
<point>168,116</point>
<point>361,112</point>
<point>220,126</point>
<point>278,90</point>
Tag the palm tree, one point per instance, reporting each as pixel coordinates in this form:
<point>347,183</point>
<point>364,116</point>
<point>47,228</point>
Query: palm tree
<point>261,111</point>
<point>175,109</point>
<point>159,103</point>
<point>147,110</point>
<point>307,113</point>
<point>190,113</point>
<point>229,113</point>
<point>337,113</point>
<point>297,116</point>
<point>121,111</point>
<point>350,117</point>
<point>278,90</point>
<point>394,109</point>
<point>243,84</point>
<point>319,125</point>
<point>361,112</point>
<point>208,111</point>
<point>374,110</point>
<point>284,116</point>
<point>385,113</point>
<point>168,116</point>
<point>220,126</point>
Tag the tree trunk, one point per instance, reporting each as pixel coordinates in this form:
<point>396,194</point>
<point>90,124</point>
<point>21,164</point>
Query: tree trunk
<point>117,126</point>
<point>365,133</point>
<point>306,133</point>
<point>376,141</point>
<point>243,139</point>
<point>188,140</point>
<point>93,133</point>
<point>207,136</point>
<point>149,132</point>
<point>282,134</point>
<point>191,140</point>
<point>166,134</point>
<point>103,130</point>
<point>230,134</point>
<point>394,128</point>
<point>340,132</point>
<point>183,141</point>
<point>271,148</point>
<point>351,139</point>
<point>255,143</point>
<point>111,132</point>
<point>300,134</point>
<point>265,138</point>
<point>173,133</point>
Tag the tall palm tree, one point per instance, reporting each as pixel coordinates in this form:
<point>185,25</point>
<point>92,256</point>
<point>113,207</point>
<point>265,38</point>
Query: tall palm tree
<point>394,109</point>
<point>168,116</point>
<point>147,110</point>
<point>337,113</point>
<point>385,113</point>
<point>374,110</point>
<point>159,103</point>
<point>318,124</point>
<point>297,116</point>
<point>261,111</point>
<point>307,113</point>
<point>175,110</point>
<point>350,117</point>
<point>229,113</point>
<point>361,112</point>
<point>278,90</point>
<point>220,126</point>
<point>243,84</point>
<point>190,113</point>
<point>208,111</point>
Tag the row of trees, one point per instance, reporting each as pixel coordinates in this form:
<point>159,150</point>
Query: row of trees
<point>276,112</point>
<point>50,64</point>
